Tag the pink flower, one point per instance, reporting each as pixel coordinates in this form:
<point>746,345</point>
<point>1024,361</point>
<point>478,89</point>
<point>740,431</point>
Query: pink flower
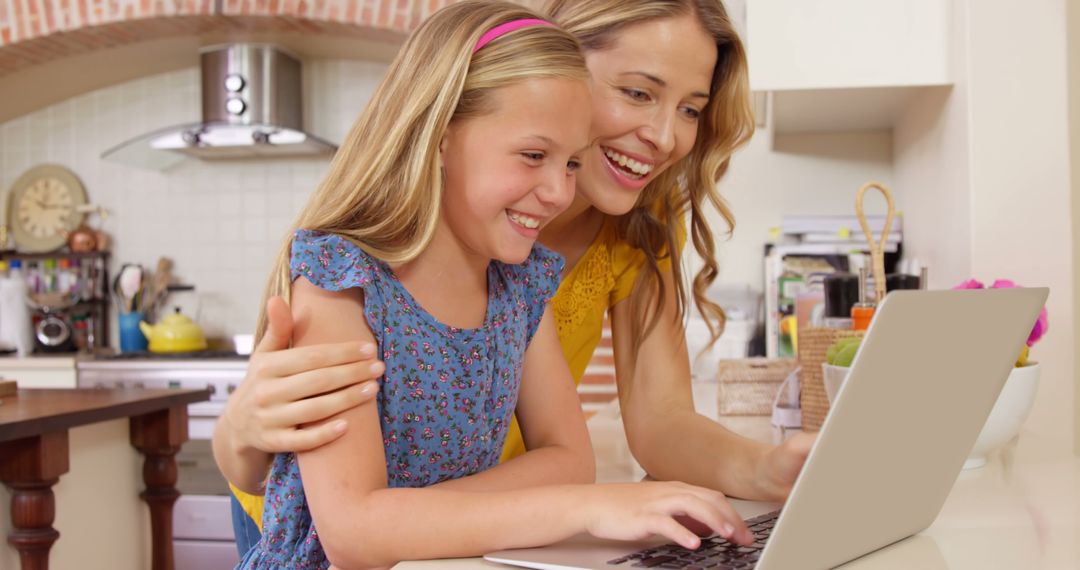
<point>1040,328</point>
<point>970,284</point>
<point>1041,325</point>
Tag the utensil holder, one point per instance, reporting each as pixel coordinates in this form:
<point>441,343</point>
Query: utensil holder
<point>132,338</point>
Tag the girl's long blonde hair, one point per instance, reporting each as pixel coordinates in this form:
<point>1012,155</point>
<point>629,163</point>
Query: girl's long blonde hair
<point>727,123</point>
<point>383,190</point>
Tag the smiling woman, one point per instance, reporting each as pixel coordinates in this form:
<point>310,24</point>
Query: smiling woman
<point>670,104</point>
<point>652,82</point>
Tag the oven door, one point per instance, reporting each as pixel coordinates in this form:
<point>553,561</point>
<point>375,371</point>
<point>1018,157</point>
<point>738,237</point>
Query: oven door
<point>202,518</point>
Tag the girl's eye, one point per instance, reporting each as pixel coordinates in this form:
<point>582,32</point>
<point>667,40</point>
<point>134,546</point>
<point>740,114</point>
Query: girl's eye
<point>572,166</point>
<point>534,156</point>
<point>635,94</point>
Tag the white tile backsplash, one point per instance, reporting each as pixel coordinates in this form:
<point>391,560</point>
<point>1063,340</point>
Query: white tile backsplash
<point>220,222</point>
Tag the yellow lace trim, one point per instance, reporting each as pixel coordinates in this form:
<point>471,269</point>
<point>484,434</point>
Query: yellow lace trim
<point>589,283</point>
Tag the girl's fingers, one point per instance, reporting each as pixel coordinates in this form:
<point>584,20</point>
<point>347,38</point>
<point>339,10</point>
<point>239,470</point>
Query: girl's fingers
<point>284,363</point>
<point>324,380</point>
<point>667,527</point>
<point>320,408</point>
<point>739,533</point>
<point>695,526</point>
<point>700,511</point>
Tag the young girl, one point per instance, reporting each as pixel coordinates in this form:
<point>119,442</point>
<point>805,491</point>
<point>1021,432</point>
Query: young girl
<point>421,240</point>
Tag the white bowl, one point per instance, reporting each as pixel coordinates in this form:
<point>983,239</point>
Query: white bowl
<point>833,377</point>
<point>1012,408</point>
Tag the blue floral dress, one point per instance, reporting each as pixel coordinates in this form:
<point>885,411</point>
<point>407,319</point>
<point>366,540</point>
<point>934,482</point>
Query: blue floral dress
<point>447,396</point>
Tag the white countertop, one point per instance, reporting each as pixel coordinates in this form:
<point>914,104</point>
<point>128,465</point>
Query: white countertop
<point>37,362</point>
<point>1020,511</point>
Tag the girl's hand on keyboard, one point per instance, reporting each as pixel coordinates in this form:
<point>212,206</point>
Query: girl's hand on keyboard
<point>635,511</point>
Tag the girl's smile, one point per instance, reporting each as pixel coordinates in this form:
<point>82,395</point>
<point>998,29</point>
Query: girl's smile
<point>509,171</point>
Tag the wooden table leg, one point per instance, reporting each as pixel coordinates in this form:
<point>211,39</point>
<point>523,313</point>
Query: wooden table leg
<point>30,468</point>
<point>158,437</point>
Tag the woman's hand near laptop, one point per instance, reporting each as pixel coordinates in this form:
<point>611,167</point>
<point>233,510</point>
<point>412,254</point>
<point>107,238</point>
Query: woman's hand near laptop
<point>283,391</point>
<point>780,465</point>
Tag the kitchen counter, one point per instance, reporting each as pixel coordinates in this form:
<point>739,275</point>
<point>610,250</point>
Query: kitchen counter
<point>1019,511</point>
<point>40,371</point>
<point>34,454</point>
<point>37,361</point>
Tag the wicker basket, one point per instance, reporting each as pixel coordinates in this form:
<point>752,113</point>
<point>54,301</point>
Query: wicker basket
<point>813,344</point>
<point>748,386</point>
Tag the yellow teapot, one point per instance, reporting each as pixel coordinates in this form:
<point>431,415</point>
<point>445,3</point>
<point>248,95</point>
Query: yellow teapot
<point>174,333</point>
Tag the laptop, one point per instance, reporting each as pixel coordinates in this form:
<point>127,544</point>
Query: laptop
<point>919,391</point>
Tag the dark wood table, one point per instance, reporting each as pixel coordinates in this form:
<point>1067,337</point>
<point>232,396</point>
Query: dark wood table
<point>34,428</point>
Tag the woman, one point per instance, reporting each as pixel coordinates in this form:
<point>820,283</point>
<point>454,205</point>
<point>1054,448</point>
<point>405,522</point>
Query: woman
<point>670,106</point>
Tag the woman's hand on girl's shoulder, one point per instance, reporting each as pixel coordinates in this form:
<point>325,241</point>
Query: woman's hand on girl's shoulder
<point>634,511</point>
<point>285,389</point>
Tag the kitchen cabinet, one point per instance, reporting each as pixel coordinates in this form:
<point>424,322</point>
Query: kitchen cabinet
<point>842,65</point>
<point>40,371</point>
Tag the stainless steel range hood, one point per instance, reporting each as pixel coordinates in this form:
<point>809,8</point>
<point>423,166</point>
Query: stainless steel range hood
<point>251,108</point>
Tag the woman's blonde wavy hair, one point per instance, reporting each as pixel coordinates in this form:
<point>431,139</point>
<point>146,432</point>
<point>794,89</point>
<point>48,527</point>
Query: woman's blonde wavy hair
<point>383,190</point>
<point>727,123</point>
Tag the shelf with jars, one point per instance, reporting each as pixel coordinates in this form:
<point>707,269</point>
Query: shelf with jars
<point>68,298</point>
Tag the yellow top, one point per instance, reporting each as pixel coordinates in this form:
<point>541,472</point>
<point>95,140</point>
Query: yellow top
<point>603,276</point>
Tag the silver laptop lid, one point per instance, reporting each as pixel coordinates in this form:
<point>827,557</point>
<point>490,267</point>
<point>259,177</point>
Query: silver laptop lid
<point>919,391</point>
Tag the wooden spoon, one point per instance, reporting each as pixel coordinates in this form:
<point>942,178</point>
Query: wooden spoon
<point>162,276</point>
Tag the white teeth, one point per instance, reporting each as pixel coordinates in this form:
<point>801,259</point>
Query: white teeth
<point>638,168</point>
<point>524,221</point>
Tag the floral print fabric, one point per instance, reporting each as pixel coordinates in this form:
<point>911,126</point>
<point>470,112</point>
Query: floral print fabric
<point>447,396</point>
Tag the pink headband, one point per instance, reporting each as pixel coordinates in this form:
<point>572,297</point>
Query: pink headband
<point>506,28</point>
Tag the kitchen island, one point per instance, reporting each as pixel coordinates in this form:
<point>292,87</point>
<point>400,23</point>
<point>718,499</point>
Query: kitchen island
<point>34,454</point>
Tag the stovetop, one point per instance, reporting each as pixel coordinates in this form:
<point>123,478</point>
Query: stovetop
<point>206,360</point>
<point>196,355</point>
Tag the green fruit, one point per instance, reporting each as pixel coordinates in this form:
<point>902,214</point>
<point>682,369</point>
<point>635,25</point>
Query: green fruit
<point>849,340</point>
<point>830,354</point>
<point>832,351</point>
<point>845,355</point>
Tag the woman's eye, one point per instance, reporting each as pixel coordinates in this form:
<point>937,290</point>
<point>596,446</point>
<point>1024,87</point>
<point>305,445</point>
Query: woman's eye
<point>572,166</point>
<point>692,112</point>
<point>534,156</point>
<point>636,94</point>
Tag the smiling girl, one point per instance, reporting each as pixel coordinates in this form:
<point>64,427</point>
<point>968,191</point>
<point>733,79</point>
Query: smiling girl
<point>670,104</point>
<point>424,245</point>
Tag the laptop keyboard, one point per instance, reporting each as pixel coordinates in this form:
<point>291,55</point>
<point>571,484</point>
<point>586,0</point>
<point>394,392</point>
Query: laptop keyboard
<point>714,553</point>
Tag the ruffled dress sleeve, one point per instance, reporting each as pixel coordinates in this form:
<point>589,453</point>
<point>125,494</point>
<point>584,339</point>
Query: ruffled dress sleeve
<point>334,263</point>
<point>329,261</point>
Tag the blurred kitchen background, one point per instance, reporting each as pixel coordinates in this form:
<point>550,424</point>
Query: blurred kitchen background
<point>911,94</point>
<point>960,106</point>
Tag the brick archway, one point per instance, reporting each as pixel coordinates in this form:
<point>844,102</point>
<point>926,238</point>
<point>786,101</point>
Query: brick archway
<point>38,31</point>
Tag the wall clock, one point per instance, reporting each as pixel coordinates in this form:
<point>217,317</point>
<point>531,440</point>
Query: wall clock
<point>44,204</point>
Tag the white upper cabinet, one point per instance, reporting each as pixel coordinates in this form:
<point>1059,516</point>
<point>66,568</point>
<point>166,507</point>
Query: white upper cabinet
<point>845,64</point>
